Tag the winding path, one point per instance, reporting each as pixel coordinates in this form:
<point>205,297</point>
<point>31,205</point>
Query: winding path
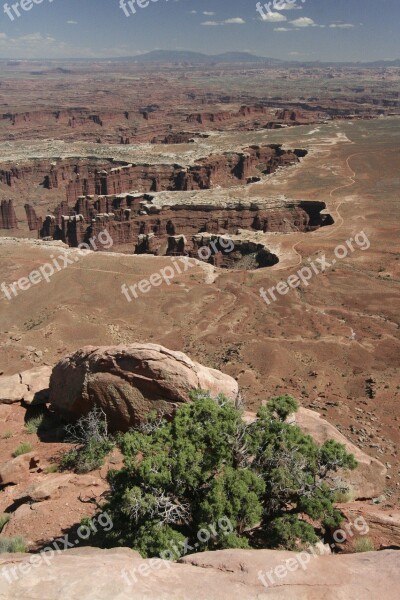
<point>340,218</point>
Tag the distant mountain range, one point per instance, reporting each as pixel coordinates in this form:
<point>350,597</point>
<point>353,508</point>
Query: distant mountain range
<point>197,58</point>
<point>185,56</point>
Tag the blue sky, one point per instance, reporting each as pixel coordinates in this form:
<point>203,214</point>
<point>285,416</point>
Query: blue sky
<point>357,30</point>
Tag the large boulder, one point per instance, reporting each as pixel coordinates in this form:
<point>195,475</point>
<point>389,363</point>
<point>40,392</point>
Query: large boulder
<point>17,470</point>
<point>128,381</point>
<point>30,386</point>
<point>121,574</point>
<point>46,488</point>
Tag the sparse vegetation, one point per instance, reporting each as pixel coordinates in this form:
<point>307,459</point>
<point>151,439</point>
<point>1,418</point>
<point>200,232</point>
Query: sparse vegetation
<point>12,545</point>
<point>268,478</point>
<point>51,469</point>
<point>92,443</point>
<point>23,448</point>
<point>4,518</point>
<point>344,496</point>
<point>7,435</point>
<point>363,544</point>
<point>41,420</point>
<point>33,424</point>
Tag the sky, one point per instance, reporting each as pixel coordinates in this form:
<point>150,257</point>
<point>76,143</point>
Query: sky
<point>304,30</point>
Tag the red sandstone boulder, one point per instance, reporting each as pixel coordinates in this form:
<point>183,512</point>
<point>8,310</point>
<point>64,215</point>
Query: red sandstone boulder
<point>28,386</point>
<point>17,470</point>
<point>129,381</point>
<point>46,487</point>
<point>11,389</point>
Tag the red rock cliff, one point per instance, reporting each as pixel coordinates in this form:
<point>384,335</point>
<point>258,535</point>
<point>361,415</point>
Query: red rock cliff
<point>8,218</point>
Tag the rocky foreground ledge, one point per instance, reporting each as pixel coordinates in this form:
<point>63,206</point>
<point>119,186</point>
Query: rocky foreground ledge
<point>121,574</point>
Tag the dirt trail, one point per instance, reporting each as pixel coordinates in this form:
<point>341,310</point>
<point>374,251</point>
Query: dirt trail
<point>338,223</point>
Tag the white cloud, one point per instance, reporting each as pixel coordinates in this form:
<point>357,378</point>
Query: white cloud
<point>38,45</point>
<point>72,22</point>
<point>288,6</point>
<point>234,21</point>
<point>208,13</point>
<point>341,25</point>
<point>34,37</point>
<point>273,17</point>
<point>303,22</point>
<point>282,29</point>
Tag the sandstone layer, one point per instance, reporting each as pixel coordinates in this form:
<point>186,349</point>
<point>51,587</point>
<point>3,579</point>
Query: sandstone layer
<point>166,224</point>
<point>89,177</point>
<point>121,574</point>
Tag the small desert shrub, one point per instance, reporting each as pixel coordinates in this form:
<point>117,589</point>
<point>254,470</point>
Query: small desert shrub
<point>32,425</point>
<point>51,469</point>
<point>363,544</point>
<point>4,518</point>
<point>41,421</point>
<point>344,496</point>
<point>12,545</point>
<point>7,435</point>
<point>23,448</point>
<point>86,458</point>
<point>93,443</point>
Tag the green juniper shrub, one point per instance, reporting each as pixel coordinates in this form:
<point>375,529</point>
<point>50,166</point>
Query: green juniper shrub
<point>268,478</point>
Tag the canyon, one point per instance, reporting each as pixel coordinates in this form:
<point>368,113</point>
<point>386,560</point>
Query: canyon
<point>127,102</point>
<point>86,177</point>
<point>139,223</point>
<point>254,171</point>
<point>153,219</point>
